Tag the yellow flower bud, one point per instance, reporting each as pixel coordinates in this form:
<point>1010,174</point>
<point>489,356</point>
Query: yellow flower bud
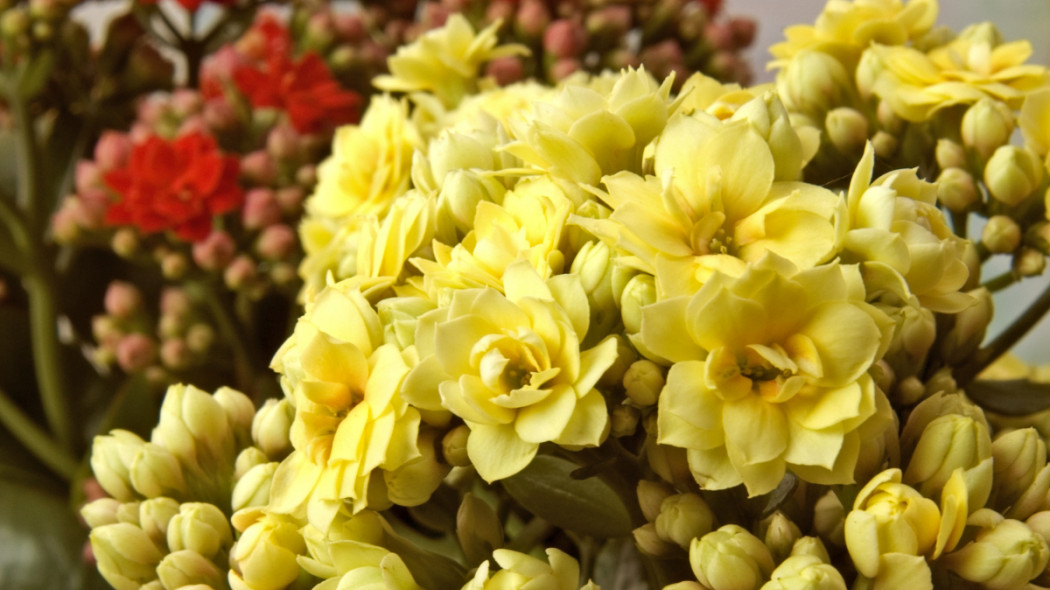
<point>889,517</point>
<point>682,518</point>
<point>460,194</point>
<point>1018,456</point>
<point>129,512</point>
<point>623,420</point>
<point>264,557</point>
<point>246,460</point>
<point>1007,555</point>
<point>412,484</point>
<point>155,471</point>
<point>780,535</point>
<point>1034,497</point>
<point>947,443</point>
<point>767,115</point>
<point>987,125</point>
<point>805,572</point>
<point>650,542</point>
<point>969,329</point>
<point>847,129</point>
<point>594,264</point>
<point>201,528</point>
<point>127,558</point>
<point>1001,235</point>
<point>1029,262</point>
<point>642,382</point>
<point>180,569</point>
<point>813,83</point>
<point>100,512</point>
<point>154,516</point>
<point>885,144</point>
<point>829,518</point>
<point>651,496</point>
<point>111,457</point>
<point>1012,174</point>
<point>949,154</point>
<point>253,489</point>
<point>270,428</point>
<point>811,546</point>
<point>639,292</point>
<point>454,446</point>
<point>730,558</point>
<point>956,189</point>
<point>194,427</point>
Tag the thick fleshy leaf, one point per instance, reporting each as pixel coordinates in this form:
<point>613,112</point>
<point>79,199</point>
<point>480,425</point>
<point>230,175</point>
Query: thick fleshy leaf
<point>590,506</point>
<point>1012,397</point>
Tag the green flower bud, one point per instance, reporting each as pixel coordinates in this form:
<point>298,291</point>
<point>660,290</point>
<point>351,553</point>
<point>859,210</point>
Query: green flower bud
<point>201,528</point>
<point>271,428</point>
<point>184,568</point>
<point>730,559</point>
<point>643,382</point>
<point>253,489</point>
<point>1017,458</point>
<point>155,471</point>
<point>847,129</point>
<point>1001,235</point>
<point>950,154</point>
<point>127,558</point>
<point>111,457</point>
<point>100,512</point>
<point>154,516</point>
<point>956,189</point>
<point>986,126</point>
<point>780,535</point>
<point>1007,555</point>
<point>1012,174</point>
<point>682,518</point>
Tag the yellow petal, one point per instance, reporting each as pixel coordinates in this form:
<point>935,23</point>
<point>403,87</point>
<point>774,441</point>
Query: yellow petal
<point>497,451</point>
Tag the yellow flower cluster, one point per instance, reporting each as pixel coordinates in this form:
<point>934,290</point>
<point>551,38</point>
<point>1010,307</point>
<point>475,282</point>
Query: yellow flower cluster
<point>527,300</point>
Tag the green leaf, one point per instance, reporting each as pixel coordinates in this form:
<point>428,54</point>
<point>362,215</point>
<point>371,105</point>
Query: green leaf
<point>36,73</point>
<point>619,566</point>
<point>41,538</point>
<point>429,569</point>
<point>1010,397</point>
<point>590,506</point>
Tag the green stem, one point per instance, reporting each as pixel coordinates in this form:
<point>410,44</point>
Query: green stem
<point>47,353</point>
<point>35,439</point>
<point>1004,341</point>
<point>588,547</point>
<point>998,283</point>
<point>532,533</point>
<point>246,365</point>
<point>28,172</point>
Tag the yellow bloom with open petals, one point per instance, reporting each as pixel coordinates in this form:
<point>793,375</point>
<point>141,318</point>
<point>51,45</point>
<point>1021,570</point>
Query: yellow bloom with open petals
<point>895,221</point>
<point>976,65</point>
<point>583,133</point>
<point>528,224</point>
<point>511,367</point>
<point>349,419</point>
<point>714,206</point>
<point>522,571</point>
<point>769,374</point>
<point>845,29</point>
<point>445,61</point>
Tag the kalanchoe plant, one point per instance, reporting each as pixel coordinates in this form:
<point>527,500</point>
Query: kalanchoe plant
<point>638,331</point>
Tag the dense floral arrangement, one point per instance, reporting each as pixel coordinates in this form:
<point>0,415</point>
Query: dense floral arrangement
<point>622,330</point>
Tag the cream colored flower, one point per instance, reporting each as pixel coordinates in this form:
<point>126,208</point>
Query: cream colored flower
<point>730,558</point>
<point>350,556</point>
<point>769,373</point>
<point>511,367</point>
<point>445,61</point>
<point>522,572</point>
<point>349,419</point>
<point>1007,555</point>
<point>976,65</point>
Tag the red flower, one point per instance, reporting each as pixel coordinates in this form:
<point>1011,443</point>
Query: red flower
<point>303,88</point>
<point>177,185</point>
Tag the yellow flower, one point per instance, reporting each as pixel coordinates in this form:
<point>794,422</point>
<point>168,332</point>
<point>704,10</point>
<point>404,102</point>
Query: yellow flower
<point>730,558</point>
<point>264,557</point>
<point>1007,555</point>
<point>385,246</point>
<point>890,530</point>
<point>349,419</point>
<point>845,29</point>
<point>714,206</point>
<point>769,373</point>
<point>805,572</point>
<point>511,367</point>
<point>584,133</point>
<point>521,571</point>
<point>445,61</point>
<point>976,65</point>
<point>350,556</point>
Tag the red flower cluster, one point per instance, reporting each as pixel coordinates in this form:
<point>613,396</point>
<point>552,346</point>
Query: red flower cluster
<point>177,185</point>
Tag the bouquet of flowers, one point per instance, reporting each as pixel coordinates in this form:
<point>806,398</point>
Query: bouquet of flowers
<point>632,331</point>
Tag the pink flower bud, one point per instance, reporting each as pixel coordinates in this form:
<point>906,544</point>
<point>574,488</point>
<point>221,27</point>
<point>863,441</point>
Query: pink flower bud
<point>192,124</point>
<point>743,30</point>
<point>261,209</point>
<point>140,132</point>
<point>350,27</point>
<point>564,39</point>
<point>219,114</point>
<point>276,242</point>
<point>215,251</point>
<point>88,175</point>
<point>122,299</point>
<point>306,175</point>
<point>290,199</point>
<point>175,354</point>
<point>719,36</point>
<point>564,67</point>
<point>499,10</point>
<point>64,226</point>
<point>151,110</point>
<point>532,18</point>
<point>505,70</point>
<point>240,272</point>
<point>92,207</point>
<point>136,352</point>
<point>186,102</point>
<point>175,301</point>
<point>258,167</point>
<point>112,150</point>
<point>320,29</point>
